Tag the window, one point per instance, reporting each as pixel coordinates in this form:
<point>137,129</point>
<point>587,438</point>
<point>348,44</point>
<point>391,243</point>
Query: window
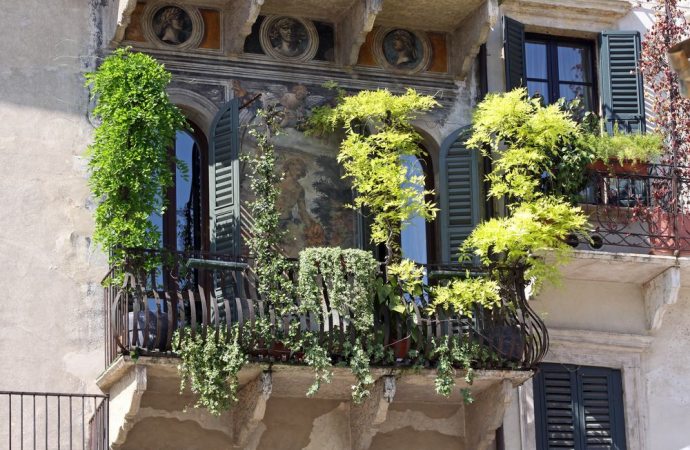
<point>579,407</point>
<point>182,223</point>
<point>417,238</point>
<point>558,68</point>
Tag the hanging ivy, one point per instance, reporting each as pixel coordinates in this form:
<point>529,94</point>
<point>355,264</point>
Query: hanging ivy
<point>349,276</point>
<point>271,266</point>
<point>130,164</point>
<point>211,366</point>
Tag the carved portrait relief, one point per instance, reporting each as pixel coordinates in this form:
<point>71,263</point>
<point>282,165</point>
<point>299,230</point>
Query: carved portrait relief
<point>289,38</point>
<point>173,26</point>
<point>403,50</point>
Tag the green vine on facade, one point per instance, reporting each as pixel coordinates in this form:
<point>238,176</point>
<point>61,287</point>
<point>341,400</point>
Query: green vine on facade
<point>530,145</point>
<point>130,163</point>
<point>378,135</point>
<point>271,266</point>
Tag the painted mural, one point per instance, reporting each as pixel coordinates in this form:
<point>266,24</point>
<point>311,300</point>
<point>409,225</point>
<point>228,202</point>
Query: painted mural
<point>313,194</point>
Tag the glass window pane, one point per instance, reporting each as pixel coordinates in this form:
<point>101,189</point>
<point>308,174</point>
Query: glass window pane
<point>538,88</point>
<point>535,60</point>
<point>574,64</point>
<point>186,192</point>
<point>413,235</point>
<point>572,91</point>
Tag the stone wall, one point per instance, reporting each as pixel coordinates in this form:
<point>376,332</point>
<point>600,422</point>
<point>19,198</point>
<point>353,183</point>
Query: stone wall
<point>52,333</point>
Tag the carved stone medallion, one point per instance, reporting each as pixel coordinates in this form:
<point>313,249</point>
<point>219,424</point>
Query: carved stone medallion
<point>403,50</point>
<point>289,38</point>
<point>173,26</point>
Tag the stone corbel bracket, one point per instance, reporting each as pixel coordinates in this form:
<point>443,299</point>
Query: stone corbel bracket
<point>469,36</point>
<point>660,293</point>
<point>125,402</point>
<point>365,418</point>
<point>252,398</point>
<point>239,17</point>
<point>353,29</point>
<point>485,415</point>
<point>119,17</point>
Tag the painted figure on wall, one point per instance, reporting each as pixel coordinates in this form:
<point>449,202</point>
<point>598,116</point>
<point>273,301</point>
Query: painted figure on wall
<point>289,37</point>
<point>401,48</point>
<point>172,25</point>
<point>313,193</point>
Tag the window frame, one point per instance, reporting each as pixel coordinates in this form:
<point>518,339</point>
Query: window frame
<point>553,81</point>
<point>169,219</point>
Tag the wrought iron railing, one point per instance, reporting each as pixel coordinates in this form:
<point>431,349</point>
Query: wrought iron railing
<point>205,292</point>
<point>53,421</point>
<point>639,206</point>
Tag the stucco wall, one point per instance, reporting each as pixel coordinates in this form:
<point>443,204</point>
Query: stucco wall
<point>52,332</point>
<point>667,382</point>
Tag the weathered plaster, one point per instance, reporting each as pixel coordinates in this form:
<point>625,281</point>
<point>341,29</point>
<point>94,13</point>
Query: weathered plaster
<point>660,293</point>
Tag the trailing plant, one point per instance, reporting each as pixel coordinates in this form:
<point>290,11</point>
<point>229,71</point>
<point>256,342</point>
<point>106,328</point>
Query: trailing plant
<point>463,295</point>
<point>524,138</point>
<point>349,276</point>
<point>210,366</point>
<point>271,266</point>
<point>535,149</point>
<point>359,364</point>
<point>378,135</point>
<point>670,111</point>
<point>458,352</point>
<point>130,164</point>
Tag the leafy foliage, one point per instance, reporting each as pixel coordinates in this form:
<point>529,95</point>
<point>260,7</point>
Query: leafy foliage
<point>670,112</point>
<point>130,165</point>
<point>628,147</point>
<point>536,149</point>
<point>271,265</point>
<point>378,134</point>
<point>457,352</point>
<point>349,276</point>
<point>526,141</point>
<point>462,295</point>
<point>210,366</point>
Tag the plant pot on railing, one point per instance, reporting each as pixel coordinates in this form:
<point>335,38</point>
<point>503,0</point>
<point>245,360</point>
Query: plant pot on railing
<point>616,167</point>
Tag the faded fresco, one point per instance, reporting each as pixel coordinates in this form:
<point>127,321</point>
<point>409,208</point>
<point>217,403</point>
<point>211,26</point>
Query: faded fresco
<point>314,195</point>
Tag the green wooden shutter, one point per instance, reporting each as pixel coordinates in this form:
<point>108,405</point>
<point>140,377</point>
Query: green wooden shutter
<point>514,53</point>
<point>622,92</point>
<point>459,193</point>
<point>224,178</point>
<point>579,408</point>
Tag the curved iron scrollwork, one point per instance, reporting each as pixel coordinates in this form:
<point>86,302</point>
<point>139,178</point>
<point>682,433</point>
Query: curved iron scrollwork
<point>145,310</point>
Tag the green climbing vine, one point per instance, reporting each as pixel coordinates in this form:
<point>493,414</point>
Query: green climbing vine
<point>130,165</point>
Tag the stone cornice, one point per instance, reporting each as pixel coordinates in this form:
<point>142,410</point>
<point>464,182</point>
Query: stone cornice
<point>574,15</point>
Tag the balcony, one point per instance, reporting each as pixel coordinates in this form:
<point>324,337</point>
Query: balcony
<point>201,293</point>
<point>638,209</point>
<point>143,314</point>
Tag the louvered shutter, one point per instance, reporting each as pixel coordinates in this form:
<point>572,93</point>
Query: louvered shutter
<point>579,408</point>
<point>514,53</point>
<point>622,92</point>
<point>459,193</point>
<point>224,188</point>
